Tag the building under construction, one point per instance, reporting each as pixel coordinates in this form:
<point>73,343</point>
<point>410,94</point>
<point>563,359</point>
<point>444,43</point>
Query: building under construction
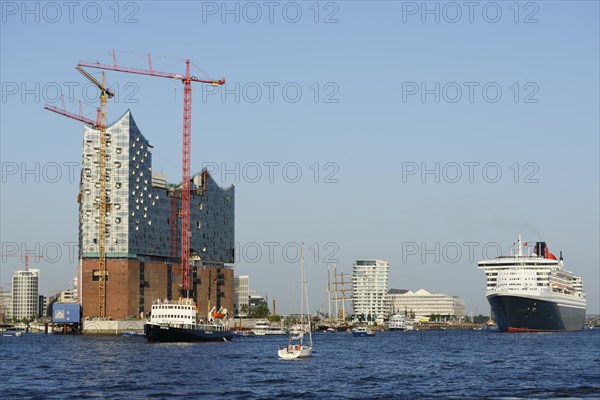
<point>143,229</point>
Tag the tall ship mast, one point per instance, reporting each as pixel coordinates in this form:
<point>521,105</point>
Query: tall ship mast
<point>531,291</point>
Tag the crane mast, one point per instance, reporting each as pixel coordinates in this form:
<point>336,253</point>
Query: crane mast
<point>104,206</point>
<point>185,180</point>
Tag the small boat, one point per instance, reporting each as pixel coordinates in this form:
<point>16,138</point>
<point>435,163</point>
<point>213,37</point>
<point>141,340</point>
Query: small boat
<point>12,333</point>
<point>397,323</point>
<point>244,334</point>
<point>296,347</point>
<point>132,334</point>
<point>362,331</point>
<point>262,328</point>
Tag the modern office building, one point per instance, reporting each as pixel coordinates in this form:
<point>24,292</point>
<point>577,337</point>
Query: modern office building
<point>241,295</point>
<point>423,303</point>
<point>143,229</point>
<point>369,290</point>
<point>25,294</point>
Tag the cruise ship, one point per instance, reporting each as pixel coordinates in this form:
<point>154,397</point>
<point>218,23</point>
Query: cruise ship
<point>530,291</point>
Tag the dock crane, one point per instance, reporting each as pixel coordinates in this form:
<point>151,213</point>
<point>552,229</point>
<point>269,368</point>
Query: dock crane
<point>104,206</point>
<point>186,79</point>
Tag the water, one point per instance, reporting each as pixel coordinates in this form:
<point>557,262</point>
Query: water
<point>435,364</point>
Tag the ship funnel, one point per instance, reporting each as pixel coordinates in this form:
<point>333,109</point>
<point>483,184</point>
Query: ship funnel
<point>561,258</point>
<point>540,249</point>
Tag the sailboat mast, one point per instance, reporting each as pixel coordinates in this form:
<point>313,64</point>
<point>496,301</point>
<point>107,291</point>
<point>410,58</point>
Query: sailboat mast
<point>305,295</point>
<point>328,294</point>
<point>302,284</point>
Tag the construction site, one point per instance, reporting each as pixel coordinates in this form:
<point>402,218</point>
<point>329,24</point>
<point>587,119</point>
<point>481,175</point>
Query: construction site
<point>140,237</point>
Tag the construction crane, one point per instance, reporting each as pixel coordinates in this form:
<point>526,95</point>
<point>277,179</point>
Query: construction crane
<point>81,118</point>
<point>186,79</point>
<point>104,206</point>
<point>27,256</point>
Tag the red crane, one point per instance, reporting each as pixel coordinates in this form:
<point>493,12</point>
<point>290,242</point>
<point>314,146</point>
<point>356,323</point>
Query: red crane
<point>187,80</point>
<point>26,258</point>
<point>95,124</point>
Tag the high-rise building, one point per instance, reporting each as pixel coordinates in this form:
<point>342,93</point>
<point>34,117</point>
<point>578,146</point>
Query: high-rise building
<point>423,303</point>
<point>369,290</point>
<point>143,229</point>
<point>241,295</point>
<point>25,294</point>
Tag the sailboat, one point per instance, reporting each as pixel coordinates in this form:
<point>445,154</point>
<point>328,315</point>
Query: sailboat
<point>297,347</point>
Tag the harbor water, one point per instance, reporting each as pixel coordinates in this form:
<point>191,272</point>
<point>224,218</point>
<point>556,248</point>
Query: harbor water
<point>424,364</point>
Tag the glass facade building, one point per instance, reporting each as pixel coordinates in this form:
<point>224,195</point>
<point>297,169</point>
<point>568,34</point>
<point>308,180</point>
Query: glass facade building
<point>143,212</point>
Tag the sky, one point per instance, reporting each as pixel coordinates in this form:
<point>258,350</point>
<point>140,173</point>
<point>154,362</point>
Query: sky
<point>429,135</point>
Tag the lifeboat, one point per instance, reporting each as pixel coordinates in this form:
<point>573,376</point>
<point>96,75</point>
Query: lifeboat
<point>222,313</point>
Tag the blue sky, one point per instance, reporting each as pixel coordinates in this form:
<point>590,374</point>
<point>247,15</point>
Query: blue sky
<point>347,102</point>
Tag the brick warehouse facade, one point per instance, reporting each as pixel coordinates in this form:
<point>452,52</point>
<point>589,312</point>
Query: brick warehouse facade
<point>143,229</point>
<point>133,285</point>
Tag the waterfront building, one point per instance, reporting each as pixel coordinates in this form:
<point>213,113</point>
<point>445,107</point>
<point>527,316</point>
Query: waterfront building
<point>25,294</point>
<point>256,300</point>
<point>241,295</point>
<point>143,229</point>
<point>423,303</point>
<point>369,290</point>
<point>5,307</point>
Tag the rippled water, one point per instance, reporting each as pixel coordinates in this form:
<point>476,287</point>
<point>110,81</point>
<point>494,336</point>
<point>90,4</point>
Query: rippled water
<point>435,364</point>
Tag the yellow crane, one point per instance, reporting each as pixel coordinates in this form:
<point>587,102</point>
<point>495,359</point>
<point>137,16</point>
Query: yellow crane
<point>104,206</point>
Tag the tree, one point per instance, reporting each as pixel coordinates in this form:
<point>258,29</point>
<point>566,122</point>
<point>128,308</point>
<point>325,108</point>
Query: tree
<point>259,311</point>
<point>244,309</point>
<point>274,318</point>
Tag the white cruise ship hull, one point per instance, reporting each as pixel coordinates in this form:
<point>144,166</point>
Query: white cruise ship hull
<point>516,312</point>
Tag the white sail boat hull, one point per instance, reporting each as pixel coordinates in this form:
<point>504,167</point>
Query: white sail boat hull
<point>292,352</point>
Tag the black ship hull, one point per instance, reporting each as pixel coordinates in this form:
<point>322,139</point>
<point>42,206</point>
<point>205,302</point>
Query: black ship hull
<point>525,314</point>
<point>161,333</point>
